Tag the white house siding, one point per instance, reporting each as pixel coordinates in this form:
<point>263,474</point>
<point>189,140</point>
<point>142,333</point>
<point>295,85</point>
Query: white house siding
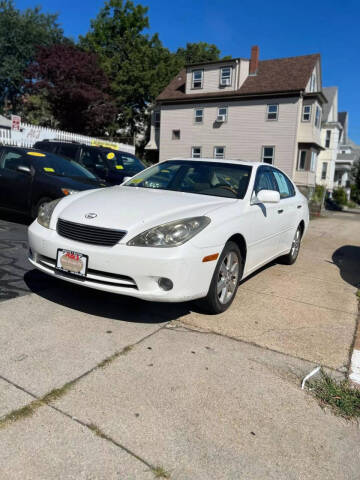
<point>329,156</point>
<point>243,135</point>
<point>211,76</point>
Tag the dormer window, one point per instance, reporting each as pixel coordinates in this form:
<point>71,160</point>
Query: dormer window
<point>197,78</point>
<point>225,76</point>
<point>313,86</point>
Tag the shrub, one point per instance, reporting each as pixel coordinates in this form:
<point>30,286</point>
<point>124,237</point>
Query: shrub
<point>339,195</point>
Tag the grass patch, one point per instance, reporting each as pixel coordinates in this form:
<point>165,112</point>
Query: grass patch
<point>113,357</point>
<point>160,472</point>
<point>341,397</point>
<point>20,413</point>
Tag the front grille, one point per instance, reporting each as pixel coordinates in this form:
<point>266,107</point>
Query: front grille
<point>89,234</point>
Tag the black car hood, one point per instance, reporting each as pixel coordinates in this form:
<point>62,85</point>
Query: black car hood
<point>79,183</point>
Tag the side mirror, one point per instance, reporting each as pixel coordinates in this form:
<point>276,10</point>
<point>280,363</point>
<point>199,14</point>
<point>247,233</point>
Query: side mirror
<point>268,196</point>
<point>24,169</point>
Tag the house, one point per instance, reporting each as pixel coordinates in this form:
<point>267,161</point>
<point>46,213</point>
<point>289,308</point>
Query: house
<point>250,109</point>
<point>348,153</point>
<point>331,132</point>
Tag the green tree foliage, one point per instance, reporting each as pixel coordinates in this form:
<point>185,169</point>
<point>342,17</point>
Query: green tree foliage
<point>137,65</point>
<point>339,195</point>
<point>198,53</point>
<point>20,35</point>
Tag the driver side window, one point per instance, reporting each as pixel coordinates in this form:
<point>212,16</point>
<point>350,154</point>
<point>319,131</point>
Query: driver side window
<point>264,180</point>
<point>11,160</point>
<point>91,159</point>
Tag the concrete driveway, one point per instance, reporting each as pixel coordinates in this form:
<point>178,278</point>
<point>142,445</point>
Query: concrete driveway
<point>139,390</point>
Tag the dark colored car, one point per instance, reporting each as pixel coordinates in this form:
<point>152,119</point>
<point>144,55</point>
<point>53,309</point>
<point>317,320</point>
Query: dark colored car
<point>111,165</point>
<point>30,178</point>
<point>330,204</point>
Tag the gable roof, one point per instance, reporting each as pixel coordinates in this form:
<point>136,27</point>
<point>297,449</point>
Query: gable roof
<point>329,93</point>
<point>273,76</point>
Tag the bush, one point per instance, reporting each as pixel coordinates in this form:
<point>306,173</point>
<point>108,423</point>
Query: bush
<point>318,195</point>
<point>339,195</point>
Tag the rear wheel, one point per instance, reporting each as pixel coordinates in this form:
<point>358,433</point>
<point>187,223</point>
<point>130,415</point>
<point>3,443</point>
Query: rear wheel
<point>225,281</point>
<point>36,207</point>
<point>291,257</point>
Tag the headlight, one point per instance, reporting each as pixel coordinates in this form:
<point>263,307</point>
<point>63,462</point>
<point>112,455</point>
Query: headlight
<point>68,191</point>
<point>170,234</point>
<point>45,212</point>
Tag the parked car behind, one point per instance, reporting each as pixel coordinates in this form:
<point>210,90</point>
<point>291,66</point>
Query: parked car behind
<point>111,165</point>
<point>181,230</point>
<point>30,178</point>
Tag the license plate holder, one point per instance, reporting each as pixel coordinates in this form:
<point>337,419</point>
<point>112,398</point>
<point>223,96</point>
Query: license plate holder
<point>71,262</point>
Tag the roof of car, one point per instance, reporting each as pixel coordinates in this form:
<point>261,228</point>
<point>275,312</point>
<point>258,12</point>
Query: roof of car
<point>218,160</point>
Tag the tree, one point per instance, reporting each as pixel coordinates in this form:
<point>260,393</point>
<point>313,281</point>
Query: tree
<point>20,34</point>
<point>137,65</point>
<point>198,53</point>
<point>74,86</point>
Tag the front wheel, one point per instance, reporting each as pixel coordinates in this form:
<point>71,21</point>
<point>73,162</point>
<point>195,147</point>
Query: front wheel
<point>291,257</point>
<point>225,281</point>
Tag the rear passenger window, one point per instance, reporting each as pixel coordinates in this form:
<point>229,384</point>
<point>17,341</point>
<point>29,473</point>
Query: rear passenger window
<point>285,187</point>
<point>68,151</point>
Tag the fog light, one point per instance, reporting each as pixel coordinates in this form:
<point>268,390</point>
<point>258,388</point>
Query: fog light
<point>165,283</point>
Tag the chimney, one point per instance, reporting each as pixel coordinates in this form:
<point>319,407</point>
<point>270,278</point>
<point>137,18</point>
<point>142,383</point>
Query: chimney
<point>254,60</point>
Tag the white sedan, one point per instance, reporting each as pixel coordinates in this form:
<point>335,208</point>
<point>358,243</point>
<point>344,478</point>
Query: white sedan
<point>180,230</point>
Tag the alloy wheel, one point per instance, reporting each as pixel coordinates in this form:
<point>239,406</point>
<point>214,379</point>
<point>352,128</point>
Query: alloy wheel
<point>228,278</point>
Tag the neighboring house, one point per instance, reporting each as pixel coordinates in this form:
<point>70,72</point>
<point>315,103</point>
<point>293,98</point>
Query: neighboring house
<point>348,154</point>
<point>331,131</point>
<point>246,109</point>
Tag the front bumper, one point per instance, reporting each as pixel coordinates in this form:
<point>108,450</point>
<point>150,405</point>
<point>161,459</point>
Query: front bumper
<point>125,270</point>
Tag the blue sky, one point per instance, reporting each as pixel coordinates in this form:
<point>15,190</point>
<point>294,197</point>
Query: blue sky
<point>280,28</point>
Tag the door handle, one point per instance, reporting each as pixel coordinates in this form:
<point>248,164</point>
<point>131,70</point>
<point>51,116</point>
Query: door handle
<point>281,211</point>
<point>299,206</point>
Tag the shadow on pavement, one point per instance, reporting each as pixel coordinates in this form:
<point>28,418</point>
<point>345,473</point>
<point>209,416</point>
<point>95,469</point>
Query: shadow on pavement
<point>103,304</point>
<point>347,259</point>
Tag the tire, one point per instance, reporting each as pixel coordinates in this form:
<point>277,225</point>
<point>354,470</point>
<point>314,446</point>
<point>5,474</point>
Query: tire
<point>218,301</point>
<point>291,257</point>
<point>36,207</point>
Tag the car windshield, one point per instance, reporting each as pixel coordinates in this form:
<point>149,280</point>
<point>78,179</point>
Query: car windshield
<point>53,165</point>
<point>190,176</point>
<point>123,160</point>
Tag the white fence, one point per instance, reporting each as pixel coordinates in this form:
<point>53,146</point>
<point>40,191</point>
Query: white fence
<point>30,134</point>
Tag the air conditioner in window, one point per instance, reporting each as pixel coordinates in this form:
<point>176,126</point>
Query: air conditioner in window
<point>220,118</point>
<point>225,82</point>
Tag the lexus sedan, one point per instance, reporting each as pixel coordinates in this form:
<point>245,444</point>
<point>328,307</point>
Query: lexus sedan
<point>180,230</point>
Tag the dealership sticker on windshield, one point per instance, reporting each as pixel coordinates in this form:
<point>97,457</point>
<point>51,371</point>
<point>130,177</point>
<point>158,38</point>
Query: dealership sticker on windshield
<point>137,180</point>
<point>36,154</point>
<point>119,167</point>
<point>110,155</point>
<point>49,169</point>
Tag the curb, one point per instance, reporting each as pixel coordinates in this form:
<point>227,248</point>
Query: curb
<point>355,357</point>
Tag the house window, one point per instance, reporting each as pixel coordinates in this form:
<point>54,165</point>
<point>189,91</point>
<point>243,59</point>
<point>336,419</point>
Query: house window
<point>306,115</point>
<point>324,171</point>
<point>222,115</point>
<point>195,152</point>
<point>272,112</point>
<point>219,152</point>
<point>268,154</point>
<point>197,78</point>
<point>313,161</point>
<point>176,134</point>
<point>317,116</point>
<point>225,76</point>
<point>302,160</point>
<point>157,119</point>
<point>199,115</point>
<point>327,139</point>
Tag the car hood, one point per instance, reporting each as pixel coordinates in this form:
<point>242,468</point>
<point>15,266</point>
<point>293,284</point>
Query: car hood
<point>135,209</point>
<point>76,183</point>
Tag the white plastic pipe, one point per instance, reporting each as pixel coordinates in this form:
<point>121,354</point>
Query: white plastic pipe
<point>309,375</point>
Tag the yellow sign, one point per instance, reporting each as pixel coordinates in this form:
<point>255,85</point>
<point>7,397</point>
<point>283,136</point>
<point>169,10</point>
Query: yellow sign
<point>119,167</point>
<point>110,155</point>
<point>137,180</point>
<point>49,169</point>
<point>36,154</point>
<point>104,143</point>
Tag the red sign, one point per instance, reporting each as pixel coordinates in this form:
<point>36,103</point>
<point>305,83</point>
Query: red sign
<point>15,122</point>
